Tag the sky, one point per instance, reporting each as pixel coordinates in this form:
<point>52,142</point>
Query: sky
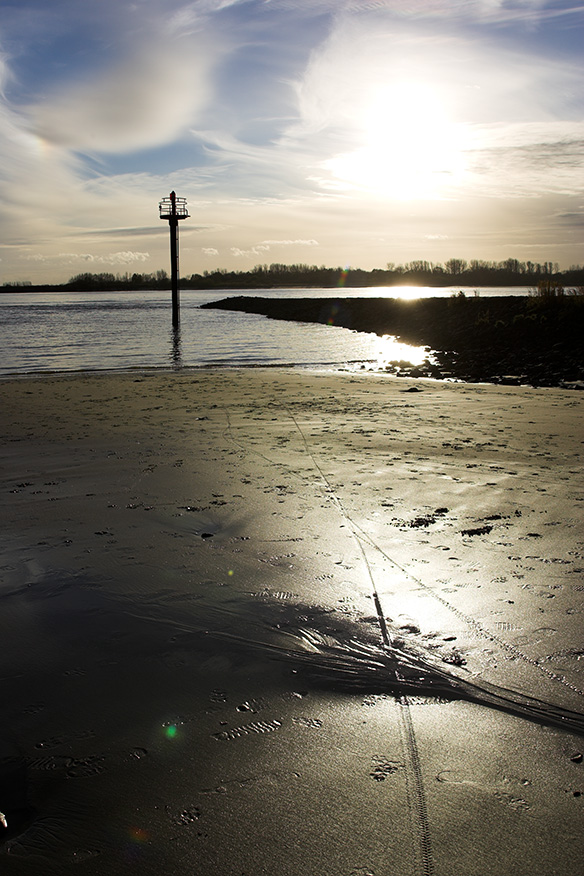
<point>351,133</point>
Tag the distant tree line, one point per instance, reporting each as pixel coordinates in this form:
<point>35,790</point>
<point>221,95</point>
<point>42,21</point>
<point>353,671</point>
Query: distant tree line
<point>106,281</point>
<point>509,272</point>
<point>102,282</point>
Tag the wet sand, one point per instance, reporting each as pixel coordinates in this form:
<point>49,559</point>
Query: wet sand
<point>191,674</point>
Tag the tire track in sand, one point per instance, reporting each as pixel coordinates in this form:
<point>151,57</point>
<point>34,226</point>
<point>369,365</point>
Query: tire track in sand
<point>415,792</point>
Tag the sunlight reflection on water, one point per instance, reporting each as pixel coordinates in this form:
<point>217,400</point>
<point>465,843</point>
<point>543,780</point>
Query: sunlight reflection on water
<point>131,330</point>
<point>70,331</point>
<point>394,350</point>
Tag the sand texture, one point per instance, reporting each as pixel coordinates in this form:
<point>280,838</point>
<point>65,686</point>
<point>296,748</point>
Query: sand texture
<point>196,569</point>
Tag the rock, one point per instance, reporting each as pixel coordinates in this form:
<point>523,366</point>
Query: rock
<point>512,379</point>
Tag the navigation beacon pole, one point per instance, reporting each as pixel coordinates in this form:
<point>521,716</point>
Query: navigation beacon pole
<point>174,209</point>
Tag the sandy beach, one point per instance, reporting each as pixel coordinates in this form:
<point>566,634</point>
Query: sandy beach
<point>195,571</point>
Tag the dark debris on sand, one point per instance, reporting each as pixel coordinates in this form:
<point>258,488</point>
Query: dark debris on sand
<point>333,652</point>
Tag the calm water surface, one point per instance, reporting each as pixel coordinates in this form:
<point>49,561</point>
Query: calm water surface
<point>118,331</point>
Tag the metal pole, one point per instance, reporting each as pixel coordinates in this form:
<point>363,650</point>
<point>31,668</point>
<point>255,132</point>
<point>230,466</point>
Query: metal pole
<point>173,224</point>
<point>174,209</point>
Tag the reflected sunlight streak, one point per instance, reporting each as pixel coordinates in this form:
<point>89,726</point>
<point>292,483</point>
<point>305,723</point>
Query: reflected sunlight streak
<point>393,350</point>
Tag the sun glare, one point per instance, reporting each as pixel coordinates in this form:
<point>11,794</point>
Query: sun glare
<point>411,149</point>
<point>394,350</point>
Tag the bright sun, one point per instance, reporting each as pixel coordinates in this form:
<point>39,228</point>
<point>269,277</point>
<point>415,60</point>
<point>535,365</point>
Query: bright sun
<point>410,148</point>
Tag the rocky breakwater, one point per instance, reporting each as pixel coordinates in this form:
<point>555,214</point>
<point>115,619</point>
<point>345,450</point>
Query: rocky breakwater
<point>505,339</point>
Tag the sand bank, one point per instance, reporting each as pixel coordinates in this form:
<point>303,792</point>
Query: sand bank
<point>170,542</point>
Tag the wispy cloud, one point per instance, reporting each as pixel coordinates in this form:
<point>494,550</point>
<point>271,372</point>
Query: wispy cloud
<point>574,219</point>
<point>143,231</point>
<point>530,12</point>
<point>72,258</point>
<point>290,242</point>
<point>141,104</point>
<point>403,96</point>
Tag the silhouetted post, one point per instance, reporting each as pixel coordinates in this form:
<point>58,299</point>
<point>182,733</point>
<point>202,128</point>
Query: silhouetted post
<point>174,209</point>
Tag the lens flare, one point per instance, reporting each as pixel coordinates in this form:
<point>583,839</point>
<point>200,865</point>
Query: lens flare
<point>138,835</point>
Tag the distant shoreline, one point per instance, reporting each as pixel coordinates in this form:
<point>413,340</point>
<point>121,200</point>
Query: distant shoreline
<point>184,287</point>
<point>241,286</point>
<point>456,272</point>
<point>503,339</point>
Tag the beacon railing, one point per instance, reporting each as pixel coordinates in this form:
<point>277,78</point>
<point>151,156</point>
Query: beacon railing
<point>180,208</point>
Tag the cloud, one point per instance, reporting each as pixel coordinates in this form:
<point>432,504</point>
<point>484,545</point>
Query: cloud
<point>290,242</point>
<point>140,231</point>
<point>112,258</point>
<point>122,258</point>
<point>262,109</point>
<point>413,113</point>
<point>257,250</point>
<point>528,160</point>
<point>474,82</point>
<point>529,12</point>
<point>416,10</point>
<point>147,100</point>
<point>574,218</point>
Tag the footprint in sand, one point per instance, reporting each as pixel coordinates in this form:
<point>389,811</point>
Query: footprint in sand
<point>507,798</point>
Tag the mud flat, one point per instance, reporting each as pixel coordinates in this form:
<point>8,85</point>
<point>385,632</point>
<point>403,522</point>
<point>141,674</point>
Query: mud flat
<point>196,570</point>
<point>506,339</point>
